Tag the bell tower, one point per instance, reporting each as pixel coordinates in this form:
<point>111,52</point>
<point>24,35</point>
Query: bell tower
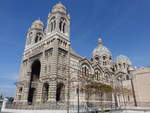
<point>35,33</point>
<point>44,65</point>
<point>58,30</point>
<point>59,21</point>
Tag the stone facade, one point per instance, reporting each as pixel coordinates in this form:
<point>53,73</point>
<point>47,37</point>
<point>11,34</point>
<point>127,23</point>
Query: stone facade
<point>142,85</point>
<point>51,71</point>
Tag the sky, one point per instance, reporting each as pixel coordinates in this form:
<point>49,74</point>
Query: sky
<point>123,25</point>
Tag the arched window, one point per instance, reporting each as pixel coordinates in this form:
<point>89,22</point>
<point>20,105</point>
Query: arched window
<point>124,65</point>
<point>54,24</point>
<point>107,77</point>
<point>38,37</point>
<point>97,74</point>
<point>127,77</point>
<point>60,25</point>
<point>119,66</point>
<point>116,66</point>
<point>104,57</point>
<point>64,27</point>
<point>110,58</point>
<point>85,71</point>
<point>20,90</point>
<point>96,58</point>
<point>60,92</point>
<point>51,26</point>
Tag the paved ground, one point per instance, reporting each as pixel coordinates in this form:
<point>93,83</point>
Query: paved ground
<point>64,111</point>
<point>4,112</point>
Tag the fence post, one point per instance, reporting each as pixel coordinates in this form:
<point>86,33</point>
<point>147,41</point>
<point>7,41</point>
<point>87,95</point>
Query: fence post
<point>5,100</point>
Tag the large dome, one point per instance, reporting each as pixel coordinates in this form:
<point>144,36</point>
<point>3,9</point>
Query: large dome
<point>59,8</point>
<point>101,50</point>
<point>123,59</point>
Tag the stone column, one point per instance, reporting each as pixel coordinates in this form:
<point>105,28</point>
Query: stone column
<point>54,61</point>
<point>40,84</point>
<point>118,100</point>
<point>43,64</point>
<point>39,92</point>
<point>52,91</point>
<point>26,84</point>
<point>26,89</point>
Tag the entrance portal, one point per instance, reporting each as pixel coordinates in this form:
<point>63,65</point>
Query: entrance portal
<point>60,92</point>
<point>36,68</point>
<point>35,74</point>
<point>31,95</point>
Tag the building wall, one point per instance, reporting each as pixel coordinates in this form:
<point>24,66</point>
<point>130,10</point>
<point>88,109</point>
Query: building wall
<point>142,84</point>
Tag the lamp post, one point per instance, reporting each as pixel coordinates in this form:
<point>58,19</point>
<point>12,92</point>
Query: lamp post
<point>131,69</point>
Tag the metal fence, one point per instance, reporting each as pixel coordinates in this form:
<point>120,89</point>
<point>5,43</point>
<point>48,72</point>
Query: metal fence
<point>61,106</point>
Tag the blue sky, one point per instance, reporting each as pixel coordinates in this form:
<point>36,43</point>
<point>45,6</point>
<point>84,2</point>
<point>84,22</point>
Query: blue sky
<point>124,26</point>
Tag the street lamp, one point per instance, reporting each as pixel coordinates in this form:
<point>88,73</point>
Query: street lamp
<point>131,69</point>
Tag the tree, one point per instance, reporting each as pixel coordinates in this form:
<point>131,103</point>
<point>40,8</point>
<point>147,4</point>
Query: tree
<point>88,89</point>
<point>101,88</point>
<point>96,87</point>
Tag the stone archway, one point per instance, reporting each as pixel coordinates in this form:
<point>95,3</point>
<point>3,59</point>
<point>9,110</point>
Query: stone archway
<point>35,74</point>
<point>60,92</point>
<point>35,70</point>
<point>45,91</point>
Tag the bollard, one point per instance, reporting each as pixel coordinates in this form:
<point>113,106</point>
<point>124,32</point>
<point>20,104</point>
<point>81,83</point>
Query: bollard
<point>4,104</point>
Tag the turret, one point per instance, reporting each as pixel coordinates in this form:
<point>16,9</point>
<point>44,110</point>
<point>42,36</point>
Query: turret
<point>122,65</point>
<point>59,21</point>
<point>35,33</point>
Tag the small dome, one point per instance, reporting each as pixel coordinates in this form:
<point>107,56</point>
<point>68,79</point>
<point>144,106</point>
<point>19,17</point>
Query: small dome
<point>101,50</point>
<point>37,24</point>
<point>59,8</point>
<point>123,59</point>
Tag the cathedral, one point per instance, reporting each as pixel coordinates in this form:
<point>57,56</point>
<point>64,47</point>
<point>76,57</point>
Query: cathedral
<point>52,74</point>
